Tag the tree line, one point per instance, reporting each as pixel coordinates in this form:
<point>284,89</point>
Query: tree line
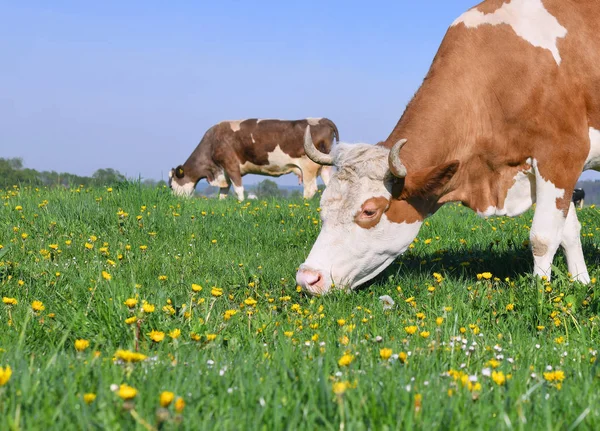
<point>12,171</point>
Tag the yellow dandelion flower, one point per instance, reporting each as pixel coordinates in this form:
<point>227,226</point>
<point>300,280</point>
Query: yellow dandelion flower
<point>89,246</point>
<point>38,306</point>
<point>81,344</point>
<point>147,307</point>
<point>174,334</point>
<point>498,377</point>
<point>424,334</point>
<point>162,278</point>
<point>229,314</point>
<point>250,301</point>
<point>179,405</point>
<point>5,373</point>
<point>129,356</point>
<point>166,398</point>
<point>156,336</point>
<point>131,302</point>
<point>510,307</point>
<point>9,301</point>
<point>339,388</point>
<point>196,287</point>
<point>410,329</point>
<point>89,397</point>
<point>345,360</point>
<point>131,320</point>
<point>211,337</point>
<point>216,292</point>
<point>341,322</point>
<point>385,353</point>
<point>126,392</point>
<point>439,321</point>
<point>106,275</point>
<point>402,357</point>
<point>288,334</point>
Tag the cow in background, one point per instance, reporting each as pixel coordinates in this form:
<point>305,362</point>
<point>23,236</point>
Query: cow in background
<point>232,149</point>
<point>578,197</point>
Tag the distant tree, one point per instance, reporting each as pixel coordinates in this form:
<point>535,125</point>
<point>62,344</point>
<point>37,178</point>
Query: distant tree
<point>267,189</point>
<point>104,177</point>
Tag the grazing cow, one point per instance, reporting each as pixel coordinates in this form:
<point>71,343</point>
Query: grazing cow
<point>508,115</point>
<point>232,149</point>
<point>578,197</point>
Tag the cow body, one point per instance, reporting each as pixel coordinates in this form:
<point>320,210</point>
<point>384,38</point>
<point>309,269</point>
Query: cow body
<point>507,116</point>
<point>232,149</point>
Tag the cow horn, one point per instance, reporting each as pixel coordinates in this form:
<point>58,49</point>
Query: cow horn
<point>312,152</point>
<point>396,166</point>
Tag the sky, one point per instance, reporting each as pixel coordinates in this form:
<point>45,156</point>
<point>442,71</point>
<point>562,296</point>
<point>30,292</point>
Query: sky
<point>134,85</point>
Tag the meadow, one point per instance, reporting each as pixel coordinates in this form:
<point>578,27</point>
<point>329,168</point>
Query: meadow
<point>129,308</point>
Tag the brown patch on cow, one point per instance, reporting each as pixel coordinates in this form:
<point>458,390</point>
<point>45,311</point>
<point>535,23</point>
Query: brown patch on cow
<point>492,109</point>
<point>377,206</point>
<point>429,182</point>
<point>538,247</point>
<point>490,6</point>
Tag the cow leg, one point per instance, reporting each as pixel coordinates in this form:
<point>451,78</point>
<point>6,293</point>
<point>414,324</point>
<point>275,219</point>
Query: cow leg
<point>571,244</point>
<point>236,178</point>
<point>223,192</point>
<point>552,206</point>
<point>581,204</point>
<point>325,173</point>
<point>310,185</point>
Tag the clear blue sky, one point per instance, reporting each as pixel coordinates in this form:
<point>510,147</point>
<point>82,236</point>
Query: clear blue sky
<point>134,85</point>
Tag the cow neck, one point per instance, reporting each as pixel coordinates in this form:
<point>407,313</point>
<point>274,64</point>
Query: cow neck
<point>196,166</point>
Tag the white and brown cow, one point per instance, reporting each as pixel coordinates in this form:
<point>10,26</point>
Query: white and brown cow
<point>508,116</point>
<point>232,149</point>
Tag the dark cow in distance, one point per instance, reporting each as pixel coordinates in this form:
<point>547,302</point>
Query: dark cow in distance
<point>507,116</point>
<point>578,197</point>
<point>232,149</point>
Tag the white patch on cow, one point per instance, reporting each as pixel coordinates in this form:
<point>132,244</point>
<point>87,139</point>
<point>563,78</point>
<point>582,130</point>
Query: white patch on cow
<point>571,244</point>
<point>186,189</point>
<point>220,180</point>
<point>280,163</point>
<point>252,137</point>
<point>313,121</point>
<point>593,158</point>
<point>239,192</point>
<point>519,197</point>
<point>528,18</point>
<point>548,224</point>
<point>235,125</point>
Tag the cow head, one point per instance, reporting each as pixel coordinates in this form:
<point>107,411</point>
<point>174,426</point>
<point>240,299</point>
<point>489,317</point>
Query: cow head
<point>180,183</point>
<point>371,212</point>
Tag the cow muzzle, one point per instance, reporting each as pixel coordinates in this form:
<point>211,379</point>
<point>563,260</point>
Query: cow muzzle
<point>312,280</point>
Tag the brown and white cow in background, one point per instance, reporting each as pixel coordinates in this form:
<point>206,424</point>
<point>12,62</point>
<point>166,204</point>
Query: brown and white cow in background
<point>508,116</point>
<point>232,149</point>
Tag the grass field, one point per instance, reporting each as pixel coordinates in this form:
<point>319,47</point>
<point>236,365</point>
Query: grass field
<point>204,292</point>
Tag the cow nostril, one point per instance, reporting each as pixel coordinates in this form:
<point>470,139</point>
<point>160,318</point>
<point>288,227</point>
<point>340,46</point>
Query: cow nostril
<point>309,278</point>
<point>316,279</point>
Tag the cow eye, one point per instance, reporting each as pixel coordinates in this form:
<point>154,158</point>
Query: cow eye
<point>369,212</point>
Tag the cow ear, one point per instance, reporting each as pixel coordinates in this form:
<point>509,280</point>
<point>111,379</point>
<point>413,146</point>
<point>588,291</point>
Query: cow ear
<point>429,182</point>
<point>179,171</point>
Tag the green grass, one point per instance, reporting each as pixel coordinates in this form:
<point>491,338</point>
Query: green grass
<point>264,369</point>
